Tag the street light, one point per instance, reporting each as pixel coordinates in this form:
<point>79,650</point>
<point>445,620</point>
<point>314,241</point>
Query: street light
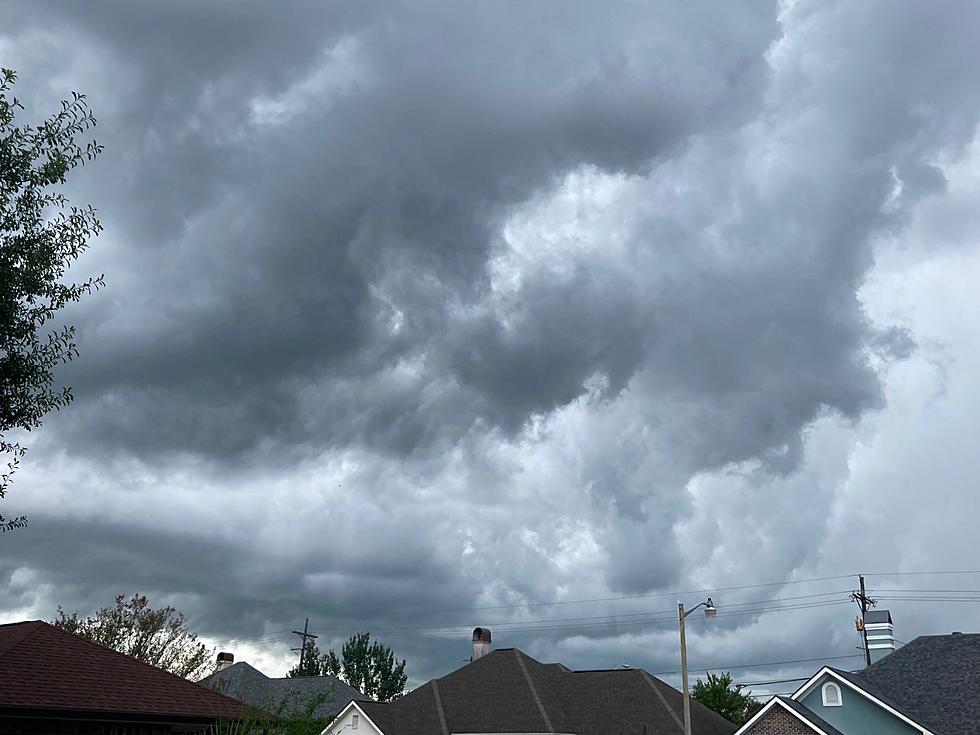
<point>709,612</point>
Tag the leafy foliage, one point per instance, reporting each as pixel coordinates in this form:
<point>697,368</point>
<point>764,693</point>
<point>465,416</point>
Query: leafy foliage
<point>157,637</point>
<point>718,693</point>
<point>40,236</point>
<point>311,663</point>
<point>282,722</point>
<point>369,667</point>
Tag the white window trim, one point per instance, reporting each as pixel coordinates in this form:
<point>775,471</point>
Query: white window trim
<point>826,700</point>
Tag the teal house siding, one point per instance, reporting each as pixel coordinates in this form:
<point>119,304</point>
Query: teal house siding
<point>857,715</point>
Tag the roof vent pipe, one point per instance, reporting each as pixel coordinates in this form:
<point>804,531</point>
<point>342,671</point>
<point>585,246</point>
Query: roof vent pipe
<point>481,642</point>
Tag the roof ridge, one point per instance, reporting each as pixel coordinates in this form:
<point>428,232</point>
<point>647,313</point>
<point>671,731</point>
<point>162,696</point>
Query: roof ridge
<point>439,709</point>
<point>648,677</point>
<point>534,691</point>
<point>32,627</point>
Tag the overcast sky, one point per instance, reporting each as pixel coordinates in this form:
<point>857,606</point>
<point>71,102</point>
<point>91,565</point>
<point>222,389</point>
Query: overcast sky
<point>421,314</point>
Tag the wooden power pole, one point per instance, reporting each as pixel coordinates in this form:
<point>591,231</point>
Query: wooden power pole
<point>865,603</point>
<point>304,635</point>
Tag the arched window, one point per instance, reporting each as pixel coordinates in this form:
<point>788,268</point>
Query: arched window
<point>831,695</point>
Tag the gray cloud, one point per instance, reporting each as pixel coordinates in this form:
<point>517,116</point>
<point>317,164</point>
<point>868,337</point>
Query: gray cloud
<point>439,308</point>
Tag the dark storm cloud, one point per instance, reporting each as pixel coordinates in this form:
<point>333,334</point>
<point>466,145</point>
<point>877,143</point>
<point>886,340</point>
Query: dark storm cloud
<point>293,227</point>
<point>415,308</point>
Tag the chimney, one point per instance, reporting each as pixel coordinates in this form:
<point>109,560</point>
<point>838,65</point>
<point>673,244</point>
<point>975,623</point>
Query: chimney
<point>881,634</point>
<point>481,642</point>
<point>225,660</point>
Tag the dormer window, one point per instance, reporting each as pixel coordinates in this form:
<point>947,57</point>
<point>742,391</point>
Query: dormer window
<point>831,695</point>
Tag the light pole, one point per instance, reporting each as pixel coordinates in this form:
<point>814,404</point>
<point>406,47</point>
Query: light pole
<point>709,612</point>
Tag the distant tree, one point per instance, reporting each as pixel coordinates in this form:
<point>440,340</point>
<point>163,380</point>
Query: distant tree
<point>720,694</point>
<point>40,237</point>
<point>371,668</point>
<point>157,637</point>
<point>310,662</point>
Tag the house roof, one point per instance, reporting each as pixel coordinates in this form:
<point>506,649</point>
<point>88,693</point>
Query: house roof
<point>288,696</point>
<point>44,668</point>
<point>507,691</point>
<point>935,680</point>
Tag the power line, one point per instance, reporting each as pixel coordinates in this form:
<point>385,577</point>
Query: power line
<point>739,667</point>
<point>529,626</point>
<point>614,617</point>
<point>276,636</point>
<point>264,638</point>
<point>916,589</point>
<point>709,590</point>
<point>651,596</point>
<point>931,574</point>
<point>929,599</point>
<point>771,681</point>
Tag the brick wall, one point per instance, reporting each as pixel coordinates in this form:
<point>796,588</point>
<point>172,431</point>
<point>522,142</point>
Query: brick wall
<point>778,721</point>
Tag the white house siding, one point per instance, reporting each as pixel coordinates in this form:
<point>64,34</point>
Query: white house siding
<point>344,724</point>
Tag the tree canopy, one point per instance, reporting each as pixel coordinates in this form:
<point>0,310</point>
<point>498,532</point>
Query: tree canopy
<point>40,236</point>
<point>371,668</point>
<point>720,694</point>
<point>157,637</point>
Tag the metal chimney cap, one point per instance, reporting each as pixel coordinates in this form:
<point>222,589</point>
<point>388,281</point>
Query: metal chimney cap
<point>225,656</point>
<point>481,635</point>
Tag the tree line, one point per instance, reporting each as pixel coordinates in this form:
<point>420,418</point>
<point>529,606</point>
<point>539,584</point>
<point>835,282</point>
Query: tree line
<point>160,637</point>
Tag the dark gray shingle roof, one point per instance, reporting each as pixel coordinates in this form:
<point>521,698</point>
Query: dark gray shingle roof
<point>283,696</point>
<point>935,680</point>
<point>508,691</point>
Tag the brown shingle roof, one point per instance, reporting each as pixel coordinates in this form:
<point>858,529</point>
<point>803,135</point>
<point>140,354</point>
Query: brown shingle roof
<point>44,668</point>
<point>508,691</point>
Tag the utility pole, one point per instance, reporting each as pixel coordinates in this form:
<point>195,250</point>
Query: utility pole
<point>681,616</point>
<point>304,635</point>
<point>709,612</point>
<point>864,602</point>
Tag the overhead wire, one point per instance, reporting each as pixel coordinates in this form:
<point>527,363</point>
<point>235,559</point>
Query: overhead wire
<point>771,681</point>
<point>605,621</point>
<point>739,667</point>
<point>503,625</point>
<point>675,593</point>
<point>651,617</point>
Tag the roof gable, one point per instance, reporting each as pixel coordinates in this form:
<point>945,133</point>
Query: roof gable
<point>792,709</point>
<point>507,691</point>
<point>45,668</point>
<point>854,684</point>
